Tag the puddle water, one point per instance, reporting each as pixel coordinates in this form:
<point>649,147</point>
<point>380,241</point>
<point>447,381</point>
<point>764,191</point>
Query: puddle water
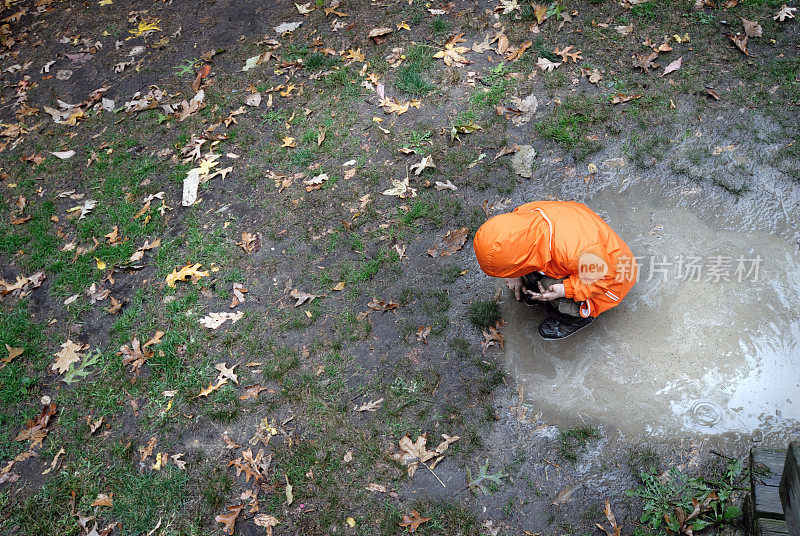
<point>678,355</point>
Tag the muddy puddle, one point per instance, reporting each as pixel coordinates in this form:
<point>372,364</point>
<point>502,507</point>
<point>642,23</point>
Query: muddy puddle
<point>713,350</point>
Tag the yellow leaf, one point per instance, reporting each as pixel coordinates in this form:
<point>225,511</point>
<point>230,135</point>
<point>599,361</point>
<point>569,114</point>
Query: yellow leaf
<point>403,26</point>
<point>351,521</point>
<point>288,141</point>
<point>100,264</point>
<point>105,2</point>
<point>145,26</point>
<point>190,271</point>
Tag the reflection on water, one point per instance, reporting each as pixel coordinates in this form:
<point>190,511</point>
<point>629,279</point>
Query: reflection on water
<point>677,355</point>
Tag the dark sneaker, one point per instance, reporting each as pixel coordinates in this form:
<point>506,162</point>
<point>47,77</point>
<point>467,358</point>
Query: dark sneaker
<point>557,328</point>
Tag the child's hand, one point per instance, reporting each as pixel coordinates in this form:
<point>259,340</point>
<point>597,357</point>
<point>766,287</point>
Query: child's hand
<point>553,292</point>
<point>516,286</point>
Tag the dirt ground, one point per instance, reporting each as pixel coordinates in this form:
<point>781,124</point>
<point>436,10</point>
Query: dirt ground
<point>250,364</point>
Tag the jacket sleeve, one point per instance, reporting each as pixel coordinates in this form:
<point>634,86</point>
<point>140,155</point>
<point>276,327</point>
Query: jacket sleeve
<point>578,290</point>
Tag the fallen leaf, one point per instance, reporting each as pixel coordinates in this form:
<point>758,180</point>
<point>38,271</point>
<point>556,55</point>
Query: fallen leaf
<point>492,337</point>
<point>546,65</point>
<point>413,520</point>
<point>103,499</point>
<point>566,54</point>
<point>412,453</point>
<point>302,297</point>
<point>522,161</point>
<point>63,155</point>
<point>401,189</point>
<point>215,320</point>
<point>252,392</point>
<point>378,488</point>
<point>378,32</point>
<point>189,272</point>
<point>565,494</point>
<point>288,491</point>
<point>253,99</point>
<point>645,61</point>
<point>372,405</point>
<point>452,55</point>
<point>69,354</point>
<point>267,521</point>
<point>450,243</point>
<point>315,183</point>
<point>425,163</point>
<point>785,12</point>
<point>226,373</point>
<point>741,42</point>
<point>383,306</point>
<point>211,388</point>
<point>229,520</point>
<point>672,67</point>
<point>238,292</point>
<point>751,28</point>
<point>612,520</point>
<point>447,185</point>
<point>422,334</point>
<point>250,243</point>
<point>621,97</point>
<point>287,27</point>
<point>12,354</point>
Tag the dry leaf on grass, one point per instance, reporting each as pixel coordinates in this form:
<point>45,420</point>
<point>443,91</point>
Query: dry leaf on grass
<point>229,520</point>
<point>492,337</point>
<point>414,519</point>
<point>412,453</point>
<point>226,373</point>
<point>751,28</point>
<point>250,243</point>
<point>36,428</point>
<point>266,521</point>
<point>450,243</point>
<point>546,65</point>
<point>566,54</point>
<point>452,55</point>
<point>372,405</point>
<point>621,97</point>
<point>612,521</point>
<point>645,62</point>
<point>103,499</point>
<point>383,306</point>
<point>12,354</point>
<point>672,67</point>
<point>238,292</point>
<point>741,42</point>
<point>302,297</point>
<point>422,334</point>
<point>70,353</point>
<point>785,12</point>
<point>215,320</point>
<point>425,163</point>
<point>189,272</point>
<point>401,189</point>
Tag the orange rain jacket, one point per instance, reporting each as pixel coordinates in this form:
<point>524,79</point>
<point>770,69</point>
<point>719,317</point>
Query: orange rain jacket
<point>560,239</point>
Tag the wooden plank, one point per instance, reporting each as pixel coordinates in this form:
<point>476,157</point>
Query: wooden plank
<point>766,466</point>
<point>790,488</point>
<point>766,469</point>
<point>770,527</point>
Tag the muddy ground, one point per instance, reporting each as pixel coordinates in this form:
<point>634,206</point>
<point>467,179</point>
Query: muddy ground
<point>285,437</point>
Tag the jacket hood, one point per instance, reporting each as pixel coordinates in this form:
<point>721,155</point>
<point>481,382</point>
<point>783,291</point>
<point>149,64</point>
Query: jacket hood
<point>514,244</point>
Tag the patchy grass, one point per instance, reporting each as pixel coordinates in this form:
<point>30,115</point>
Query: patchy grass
<point>483,314</point>
<point>571,441</point>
